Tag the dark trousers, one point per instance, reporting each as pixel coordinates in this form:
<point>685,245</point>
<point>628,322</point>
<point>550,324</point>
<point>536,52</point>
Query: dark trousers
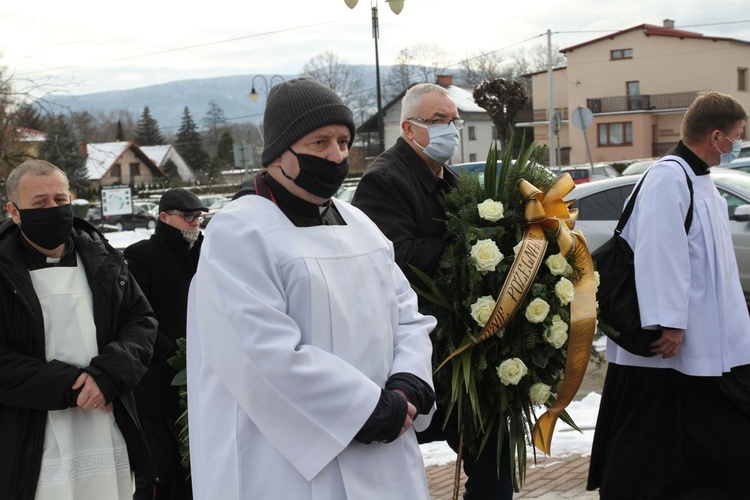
<point>174,483</point>
<point>482,481</point>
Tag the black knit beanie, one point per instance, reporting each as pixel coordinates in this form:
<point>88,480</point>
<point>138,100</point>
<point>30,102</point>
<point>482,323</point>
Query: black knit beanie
<point>294,109</point>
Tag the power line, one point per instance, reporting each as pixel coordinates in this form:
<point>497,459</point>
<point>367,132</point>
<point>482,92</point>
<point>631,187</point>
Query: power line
<point>179,49</point>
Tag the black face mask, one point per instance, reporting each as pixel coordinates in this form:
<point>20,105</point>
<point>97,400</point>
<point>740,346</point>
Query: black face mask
<point>47,227</point>
<point>319,176</point>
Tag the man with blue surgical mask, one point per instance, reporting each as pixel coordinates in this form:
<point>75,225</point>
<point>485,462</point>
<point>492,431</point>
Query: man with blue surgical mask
<point>400,192</point>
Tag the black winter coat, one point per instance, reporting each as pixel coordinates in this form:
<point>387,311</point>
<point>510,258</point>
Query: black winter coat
<point>401,195</point>
<point>163,265</point>
<point>30,386</point>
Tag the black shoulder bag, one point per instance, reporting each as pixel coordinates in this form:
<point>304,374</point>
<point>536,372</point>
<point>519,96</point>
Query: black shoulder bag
<point>617,296</point>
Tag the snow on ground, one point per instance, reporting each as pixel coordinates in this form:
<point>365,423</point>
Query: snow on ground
<point>123,239</point>
<point>565,441</point>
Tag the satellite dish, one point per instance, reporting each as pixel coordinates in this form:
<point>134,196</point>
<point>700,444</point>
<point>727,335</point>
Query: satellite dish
<point>582,117</point>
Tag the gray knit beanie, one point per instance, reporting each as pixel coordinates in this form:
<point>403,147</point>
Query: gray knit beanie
<point>294,109</point>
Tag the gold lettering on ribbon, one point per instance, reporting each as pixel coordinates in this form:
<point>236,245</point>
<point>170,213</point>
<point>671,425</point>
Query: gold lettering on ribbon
<point>582,328</point>
<point>516,286</point>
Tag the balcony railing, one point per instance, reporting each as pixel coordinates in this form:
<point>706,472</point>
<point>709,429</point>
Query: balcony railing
<point>538,115</point>
<point>677,100</point>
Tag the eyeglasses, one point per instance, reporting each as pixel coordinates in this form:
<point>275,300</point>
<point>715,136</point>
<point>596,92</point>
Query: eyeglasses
<point>188,217</point>
<point>457,122</point>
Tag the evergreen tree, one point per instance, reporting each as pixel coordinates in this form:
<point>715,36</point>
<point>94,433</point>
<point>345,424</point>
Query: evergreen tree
<point>170,169</point>
<point>62,150</point>
<point>190,146</point>
<point>225,151</point>
<point>120,134</point>
<point>147,131</point>
<point>215,123</point>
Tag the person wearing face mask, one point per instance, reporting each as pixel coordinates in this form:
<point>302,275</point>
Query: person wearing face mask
<point>163,265</point>
<point>677,424</point>
<point>401,193</point>
<point>76,336</point>
<point>308,362</point>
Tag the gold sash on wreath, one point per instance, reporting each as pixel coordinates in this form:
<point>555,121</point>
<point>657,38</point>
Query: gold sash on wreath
<point>548,211</point>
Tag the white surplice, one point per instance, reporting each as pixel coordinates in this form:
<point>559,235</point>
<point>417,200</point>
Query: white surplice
<point>292,333</point>
<point>85,457</point>
<point>687,281</point>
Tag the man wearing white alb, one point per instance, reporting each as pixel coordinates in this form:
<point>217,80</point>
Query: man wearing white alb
<point>677,425</point>
<point>308,361</point>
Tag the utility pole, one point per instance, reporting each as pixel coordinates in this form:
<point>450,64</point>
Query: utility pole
<point>551,105</point>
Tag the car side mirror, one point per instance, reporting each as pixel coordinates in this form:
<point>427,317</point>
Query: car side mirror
<point>742,213</point>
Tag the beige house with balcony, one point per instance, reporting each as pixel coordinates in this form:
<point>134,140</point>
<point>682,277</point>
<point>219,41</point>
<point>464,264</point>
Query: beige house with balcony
<point>638,83</point>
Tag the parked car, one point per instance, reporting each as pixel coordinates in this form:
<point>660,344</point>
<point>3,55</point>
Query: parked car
<point>140,218</point>
<point>742,164</point>
<point>585,172</point>
<point>600,204</point>
<point>745,150</point>
<point>146,205</point>
<point>210,199</point>
<point>638,167</point>
<point>346,193</point>
<point>213,210</point>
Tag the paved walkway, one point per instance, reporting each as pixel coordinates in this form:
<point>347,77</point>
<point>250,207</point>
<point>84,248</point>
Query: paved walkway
<point>551,478</point>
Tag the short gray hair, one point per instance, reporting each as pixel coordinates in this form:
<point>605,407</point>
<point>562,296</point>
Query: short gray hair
<point>33,167</point>
<point>413,98</point>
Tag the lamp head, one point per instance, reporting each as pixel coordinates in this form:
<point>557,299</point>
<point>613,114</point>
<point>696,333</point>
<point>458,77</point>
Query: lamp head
<point>253,95</point>
<point>396,5</point>
<point>351,3</point>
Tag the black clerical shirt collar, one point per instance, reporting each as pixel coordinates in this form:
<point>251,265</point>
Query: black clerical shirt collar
<point>300,212</point>
<point>37,260</point>
<point>698,166</point>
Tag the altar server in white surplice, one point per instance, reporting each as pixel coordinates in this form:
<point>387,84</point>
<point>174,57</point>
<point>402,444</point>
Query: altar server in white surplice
<point>308,363</point>
<point>76,335</point>
<point>677,425</point>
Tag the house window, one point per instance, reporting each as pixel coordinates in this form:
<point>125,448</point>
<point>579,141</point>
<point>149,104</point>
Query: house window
<point>472,133</point>
<point>621,54</point>
<point>616,134</point>
<point>742,79</point>
<point>135,169</point>
<point>115,170</point>
<point>472,157</point>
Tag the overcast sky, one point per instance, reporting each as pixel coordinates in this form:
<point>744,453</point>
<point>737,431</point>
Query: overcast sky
<point>93,46</point>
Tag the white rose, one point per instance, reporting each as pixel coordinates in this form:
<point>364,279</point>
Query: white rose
<point>540,393</point>
<point>565,291</point>
<point>537,310</point>
<point>511,371</point>
<point>481,310</point>
<point>486,255</point>
<point>490,210</point>
<point>557,333</point>
<point>517,247</point>
<point>558,265</point>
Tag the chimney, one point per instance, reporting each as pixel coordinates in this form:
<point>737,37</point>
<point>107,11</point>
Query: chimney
<point>669,23</point>
<point>445,80</point>
<point>83,148</point>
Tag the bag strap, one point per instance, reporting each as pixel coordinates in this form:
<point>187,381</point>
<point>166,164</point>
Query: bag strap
<point>631,202</point>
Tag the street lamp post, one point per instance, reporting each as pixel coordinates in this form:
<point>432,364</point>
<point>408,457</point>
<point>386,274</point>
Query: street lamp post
<point>254,94</point>
<point>396,7</point>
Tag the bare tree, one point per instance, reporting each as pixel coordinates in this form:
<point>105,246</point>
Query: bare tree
<point>418,64</point>
<point>482,67</point>
<point>525,61</point>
